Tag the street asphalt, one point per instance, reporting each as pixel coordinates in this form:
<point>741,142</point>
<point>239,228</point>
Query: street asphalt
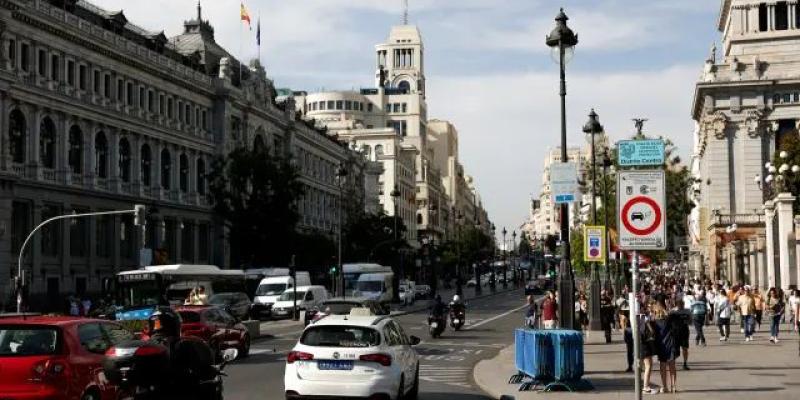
<point>446,364</point>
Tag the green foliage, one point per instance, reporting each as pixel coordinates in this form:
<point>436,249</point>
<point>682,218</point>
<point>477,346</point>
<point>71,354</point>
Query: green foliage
<point>371,237</point>
<point>790,182</point>
<point>576,253</point>
<point>255,193</point>
<point>524,247</point>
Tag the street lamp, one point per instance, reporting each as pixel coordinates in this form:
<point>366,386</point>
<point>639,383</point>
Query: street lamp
<point>341,175</point>
<point>607,163</point>
<point>397,273</point>
<point>505,257</point>
<point>592,128</point>
<point>513,255</point>
<point>563,40</point>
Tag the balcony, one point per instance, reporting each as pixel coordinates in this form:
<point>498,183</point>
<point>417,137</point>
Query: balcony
<point>49,175</point>
<point>741,220</point>
<point>18,170</point>
<point>76,178</point>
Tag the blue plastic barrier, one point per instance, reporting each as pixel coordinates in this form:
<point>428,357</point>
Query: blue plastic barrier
<point>568,355</point>
<point>553,357</point>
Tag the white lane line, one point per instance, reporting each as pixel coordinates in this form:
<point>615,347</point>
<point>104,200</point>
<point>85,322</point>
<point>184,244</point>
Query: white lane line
<point>486,321</point>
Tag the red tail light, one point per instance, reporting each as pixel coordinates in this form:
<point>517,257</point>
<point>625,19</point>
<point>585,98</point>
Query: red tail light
<point>145,351</point>
<point>382,359</point>
<point>298,356</point>
<point>55,369</point>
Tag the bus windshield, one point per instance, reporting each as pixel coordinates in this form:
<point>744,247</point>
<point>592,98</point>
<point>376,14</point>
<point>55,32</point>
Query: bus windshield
<point>140,293</point>
<point>270,289</point>
<point>370,286</point>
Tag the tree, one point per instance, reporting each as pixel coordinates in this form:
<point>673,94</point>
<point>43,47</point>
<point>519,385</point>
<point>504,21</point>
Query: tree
<point>255,193</point>
<point>370,237</point>
<point>576,252</point>
<point>788,181</point>
<point>524,249</point>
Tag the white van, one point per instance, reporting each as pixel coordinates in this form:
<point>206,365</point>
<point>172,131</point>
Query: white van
<point>376,287</point>
<point>272,287</point>
<point>308,297</point>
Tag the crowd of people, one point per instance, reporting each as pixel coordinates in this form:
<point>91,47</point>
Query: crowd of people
<point>673,311</point>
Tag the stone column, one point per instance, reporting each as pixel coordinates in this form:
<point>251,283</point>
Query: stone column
<point>116,238</point>
<point>761,242</point>
<point>752,252</point>
<point>113,159</point>
<point>88,155</point>
<point>65,243</point>
<point>136,165</point>
<point>155,168</point>
<point>785,234</point>
<point>34,130</point>
<point>35,246</point>
<point>178,235</point>
<point>62,148</point>
<point>769,213</point>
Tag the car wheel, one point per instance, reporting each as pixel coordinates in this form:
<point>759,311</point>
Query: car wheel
<point>90,396</point>
<point>414,393</point>
<point>400,389</point>
<point>244,351</point>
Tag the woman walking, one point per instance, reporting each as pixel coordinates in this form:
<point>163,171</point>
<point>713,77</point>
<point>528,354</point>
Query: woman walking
<point>649,335</point>
<point>775,307</point>
<point>758,300</point>
<point>667,348</point>
<point>723,311</point>
<point>580,308</point>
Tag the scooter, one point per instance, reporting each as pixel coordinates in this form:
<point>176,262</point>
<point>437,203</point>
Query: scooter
<point>436,325</point>
<point>457,316</point>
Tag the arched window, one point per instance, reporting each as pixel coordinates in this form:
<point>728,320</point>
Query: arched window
<point>258,143</point>
<point>378,150</point>
<point>101,155</point>
<point>145,167</point>
<point>47,140</point>
<point>419,219</point>
<point>404,86</point>
<point>16,130</point>
<point>124,160</point>
<point>184,173</point>
<point>201,176</point>
<point>75,157</point>
<point>166,166</point>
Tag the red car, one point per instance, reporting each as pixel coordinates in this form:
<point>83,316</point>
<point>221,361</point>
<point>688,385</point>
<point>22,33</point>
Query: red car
<point>56,357</point>
<point>216,326</point>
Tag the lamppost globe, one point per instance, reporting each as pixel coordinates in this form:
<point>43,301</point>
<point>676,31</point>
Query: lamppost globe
<point>772,169</point>
<point>562,36</point>
<point>757,178</point>
<point>769,178</point>
<point>795,169</point>
<point>783,154</point>
<point>783,168</point>
<point>767,165</point>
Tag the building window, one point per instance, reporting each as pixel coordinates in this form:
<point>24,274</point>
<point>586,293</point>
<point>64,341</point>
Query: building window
<point>787,98</point>
<point>369,107</point>
<point>42,64</point>
<point>12,52</point>
<point>75,155</point>
<point>339,104</point>
<point>201,176</point>
<point>20,224</point>
<point>161,105</point>
<point>404,107</point>
<point>348,105</point>
<point>107,86</point>
<point>102,236</point>
<point>25,57</point>
<point>187,242</point>
<point>51,232</point>
<point>404,87</point>
<point>96,82</point>
<point>196,116</point>
<point>150,101</point>
<point>126,236</point>
<point>55,68</point>
<point>101,155</point>
<point>763,17</point>
<point>322,106</point>
<point>187,113</point>
<point>331,105</point>
<point>170,111</point>
<point>184,173</point>
<point>129,93</point>
<point>145,167</point>
<point>141,97</point>
<point>47,140</point>
<point>781,16</point>
<point>205,120</point>
<point>78,235</point>
<point>203,234</point>
<point>166,166</point>
<point>71,73</point>
<point>17,128</point>
<point>82,77</point>
<point>124,160</point>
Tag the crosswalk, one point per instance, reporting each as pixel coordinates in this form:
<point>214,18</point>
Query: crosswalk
<point>447,375</point>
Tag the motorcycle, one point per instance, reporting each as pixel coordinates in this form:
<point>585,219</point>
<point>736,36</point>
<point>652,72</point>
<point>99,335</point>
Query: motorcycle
<point>436,325</point>
<point>457,316</point>
<point>145,370</point>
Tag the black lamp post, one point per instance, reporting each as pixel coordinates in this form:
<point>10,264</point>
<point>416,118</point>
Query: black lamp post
<point>592,128</point>
<point>397,274</point>
<point>514,256</point>
<point>563,40</point>
<point>505,257</point>
<point>457,218</point>
<point>341,176</point>
<point>476,271</point>
<point>606,165</point>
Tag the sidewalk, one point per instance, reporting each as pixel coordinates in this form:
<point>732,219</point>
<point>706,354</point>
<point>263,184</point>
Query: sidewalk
<point>755,370</point>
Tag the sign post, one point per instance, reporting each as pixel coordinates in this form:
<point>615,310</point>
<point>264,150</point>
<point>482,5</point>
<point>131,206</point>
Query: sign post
<point>563,182</point>
<point>594,242</point>
<point>640,153</point>
<point>642,217</point>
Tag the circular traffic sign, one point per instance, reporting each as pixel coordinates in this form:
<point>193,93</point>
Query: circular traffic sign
<point>626,216</point>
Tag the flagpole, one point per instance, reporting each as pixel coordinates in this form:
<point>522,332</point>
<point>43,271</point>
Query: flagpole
<point>259,36</point>
<point>241,54</point>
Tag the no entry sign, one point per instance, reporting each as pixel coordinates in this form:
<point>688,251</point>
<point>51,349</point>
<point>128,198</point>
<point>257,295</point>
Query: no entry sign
<point>642,219</point>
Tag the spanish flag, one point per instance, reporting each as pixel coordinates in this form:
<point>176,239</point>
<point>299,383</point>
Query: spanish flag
<point>245,16</point>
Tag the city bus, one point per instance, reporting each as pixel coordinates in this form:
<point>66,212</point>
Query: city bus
<point>353,271</point>
<point>140,291</point>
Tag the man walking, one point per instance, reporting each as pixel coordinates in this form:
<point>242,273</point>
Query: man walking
<point>549,311</point>
<point>723,312</point>
<point>606,313</point>
<point>699,311</point>
<point>747,308</point>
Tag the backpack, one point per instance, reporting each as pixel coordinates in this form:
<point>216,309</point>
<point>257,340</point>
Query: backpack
<point>699,307</point>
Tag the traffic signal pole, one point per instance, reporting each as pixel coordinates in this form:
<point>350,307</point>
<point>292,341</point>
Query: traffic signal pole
<point>138,212</point>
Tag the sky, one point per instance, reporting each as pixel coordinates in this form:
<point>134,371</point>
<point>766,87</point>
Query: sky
<point>488,69</point>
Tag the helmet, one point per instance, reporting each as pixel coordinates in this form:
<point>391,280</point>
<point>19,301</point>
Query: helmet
<point>456,298</point>
<point>164,321</point>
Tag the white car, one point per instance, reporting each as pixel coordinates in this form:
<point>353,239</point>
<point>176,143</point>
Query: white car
<point>353,356</point>
<point>406,295</point>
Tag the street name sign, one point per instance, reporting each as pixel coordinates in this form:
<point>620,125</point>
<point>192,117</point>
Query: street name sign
<point>637,153</point>
<point>642,215</point>
<point>563,182</point>
<point>594,242</point>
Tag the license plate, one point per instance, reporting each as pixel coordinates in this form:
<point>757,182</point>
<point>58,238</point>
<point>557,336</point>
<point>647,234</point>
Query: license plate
<point>434,324</point>
<point>336,365</point>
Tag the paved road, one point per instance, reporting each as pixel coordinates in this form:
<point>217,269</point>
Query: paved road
<point>446,363</point>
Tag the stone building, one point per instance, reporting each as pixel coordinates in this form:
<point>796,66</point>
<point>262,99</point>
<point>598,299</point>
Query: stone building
<point>746,103</point>
<point>99,114</point>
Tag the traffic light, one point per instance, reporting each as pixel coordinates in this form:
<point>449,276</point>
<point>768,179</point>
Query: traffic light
<point>139,214</point>
<point>333,269</point>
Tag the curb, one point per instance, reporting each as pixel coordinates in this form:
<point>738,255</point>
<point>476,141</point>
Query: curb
<point>490,390</point>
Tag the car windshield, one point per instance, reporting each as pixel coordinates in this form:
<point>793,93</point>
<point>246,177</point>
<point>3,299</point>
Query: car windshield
<point>369,286</point>
<point>339,308</point>
<point>223,298</point>
<point>340,336</point>
<point>189,317</point>
<point>27,341</point>
<point>289,296</point>
<point>270,289</point>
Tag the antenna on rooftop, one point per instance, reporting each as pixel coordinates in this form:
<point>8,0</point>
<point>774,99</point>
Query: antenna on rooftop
<point>405,12</point>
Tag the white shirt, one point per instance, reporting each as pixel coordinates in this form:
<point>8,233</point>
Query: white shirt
<point>794,303</point>
<point>687,302</point>
<point>723,307</point>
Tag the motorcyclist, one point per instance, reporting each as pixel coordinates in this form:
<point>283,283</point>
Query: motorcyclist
<point>439,308</point>
<point>457,305</point>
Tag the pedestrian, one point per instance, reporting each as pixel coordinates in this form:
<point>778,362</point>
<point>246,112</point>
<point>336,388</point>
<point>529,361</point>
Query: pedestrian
<point>581,306</point>
<point>627,336</point>
<point>793,304</point>
<point>747,308</point>
<point>201,296</point>
<point>649,348</point>
<point>797,324</point>
<point>530,314</point>
<point>711,295</point>
<point>682,331</point>
<point>723,311</point>
<point>606,313</point>
<point>549,311</point>
<point>86,306</point>
<point>775,307</point>
<point>668,350</point>
<point>699,311</point>
<point>74,308</point>
<point>623,309</point>
<point>758,301</point>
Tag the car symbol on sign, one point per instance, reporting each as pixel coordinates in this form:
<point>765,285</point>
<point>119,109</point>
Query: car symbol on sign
<point>637,216</point>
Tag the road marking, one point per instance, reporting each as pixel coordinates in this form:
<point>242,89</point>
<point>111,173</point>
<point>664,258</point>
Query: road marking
<point>486,321</point>
<point>463,344</point>
<point>445,375</point>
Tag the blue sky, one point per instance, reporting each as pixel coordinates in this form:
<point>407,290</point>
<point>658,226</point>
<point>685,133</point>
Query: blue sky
<point>488,69</point>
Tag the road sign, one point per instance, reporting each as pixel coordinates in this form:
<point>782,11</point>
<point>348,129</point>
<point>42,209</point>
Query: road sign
<point>642,218</point>
<point>594,242</point>
<point>563,182</point>
<point>632,153</point>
